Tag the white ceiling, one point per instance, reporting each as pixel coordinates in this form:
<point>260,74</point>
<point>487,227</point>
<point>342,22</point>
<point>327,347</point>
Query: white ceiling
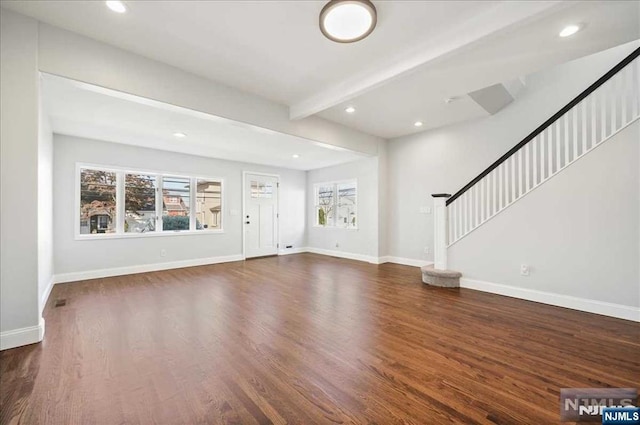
<point>84,110</point>
<point>391,109</point>
<point>419,53</point>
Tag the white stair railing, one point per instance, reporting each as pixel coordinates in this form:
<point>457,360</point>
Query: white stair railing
<point>605,108</point>
<point>590,119</point>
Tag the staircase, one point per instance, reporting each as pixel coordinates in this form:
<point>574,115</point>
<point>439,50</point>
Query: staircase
<point>602,110</point>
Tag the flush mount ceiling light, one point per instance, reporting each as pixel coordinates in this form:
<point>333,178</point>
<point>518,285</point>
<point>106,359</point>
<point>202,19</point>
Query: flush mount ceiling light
<point>346,21</point>
<point>116,6</point>
<point>295,155</point>
<point>179,135</point>
<point>418,124</point>
<point>569,30</point>
<point>350,110</point>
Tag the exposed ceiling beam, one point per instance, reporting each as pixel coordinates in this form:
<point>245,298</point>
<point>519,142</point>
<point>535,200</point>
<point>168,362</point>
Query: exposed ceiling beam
<point>499,18</point>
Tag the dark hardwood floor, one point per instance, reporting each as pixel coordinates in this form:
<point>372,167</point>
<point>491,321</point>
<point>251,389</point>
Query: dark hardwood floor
<point>305,339</point>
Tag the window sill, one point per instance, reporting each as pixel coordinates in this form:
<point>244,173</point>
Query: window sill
<point>106,236</point>
<point>334,227</point>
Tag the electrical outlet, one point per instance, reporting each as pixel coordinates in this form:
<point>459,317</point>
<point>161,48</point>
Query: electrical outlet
<point>163,252</point>
<point>524,270</point>
<point>425,210</point>
<point>426,250</point>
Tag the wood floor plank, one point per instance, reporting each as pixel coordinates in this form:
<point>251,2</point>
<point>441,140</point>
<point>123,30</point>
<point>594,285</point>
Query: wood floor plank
<point>305,339</point>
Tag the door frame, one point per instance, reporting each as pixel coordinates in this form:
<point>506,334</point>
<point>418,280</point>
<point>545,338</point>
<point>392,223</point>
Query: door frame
<point>244,207</point>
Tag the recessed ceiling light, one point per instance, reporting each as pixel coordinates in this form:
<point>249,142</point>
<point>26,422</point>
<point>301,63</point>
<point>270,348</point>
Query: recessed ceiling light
<point>418,123</point>
<point>350,110</point>
<point>295,155</point>
<point>116,6</point>
<point>180,135</point>
<point>346,21</point>
<point>569,30</point>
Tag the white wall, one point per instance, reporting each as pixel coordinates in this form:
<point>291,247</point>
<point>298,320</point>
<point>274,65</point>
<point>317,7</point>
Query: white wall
<point>363,242</point>
<point>581,235</point>
<point>20,321</point>
<point>45,208</point>
<point>74,56</point>
<point>445,159</point>
<point>75,256</point>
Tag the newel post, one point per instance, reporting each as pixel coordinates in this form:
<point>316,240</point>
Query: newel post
<point>440,230</point>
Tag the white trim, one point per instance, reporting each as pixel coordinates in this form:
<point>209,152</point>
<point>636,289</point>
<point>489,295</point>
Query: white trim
<point>289,251</point>
<point>244,212</point>
<point>143,268</point>
<point>347,255</point>
<point>583,304</point>
<point>46,293</point>
<point>405,261</point>
<point>22,336</point>
<point>108,236</point>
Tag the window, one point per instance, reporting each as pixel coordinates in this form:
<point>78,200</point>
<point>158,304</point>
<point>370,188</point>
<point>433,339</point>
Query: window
<point>175,203</point>
<point>120,203</point>
<point>336,204</point>
<point>139,203</point>
<point>97,202</point>
<point>208,204</point>
<point>261,190</point>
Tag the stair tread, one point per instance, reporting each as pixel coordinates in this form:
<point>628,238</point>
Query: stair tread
<point>431,271</point>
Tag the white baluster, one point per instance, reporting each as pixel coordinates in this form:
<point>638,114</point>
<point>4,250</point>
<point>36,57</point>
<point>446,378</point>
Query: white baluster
<point>466,212</point>
<point>558,145</point>
<point>594,118</point>
<point>614,102</point>
<point>440,232</point>
<point>534,157</point>
<point>513,178</point>
<point>543,142</point>
<point>527,161</point>
<point>549,153</point>
<point>501,185</point>
<point>487,200</point>
<point>476,196</point>
<point>575,135</point>
<point>495,191</point>
<point>625,94</point>
<point>603,115</point>
<point>635,87</point>
<point>567,141</point>
<point>520,172</point>
<point>584,125</point>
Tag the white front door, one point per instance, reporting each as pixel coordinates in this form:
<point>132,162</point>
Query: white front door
<point>260,216</point>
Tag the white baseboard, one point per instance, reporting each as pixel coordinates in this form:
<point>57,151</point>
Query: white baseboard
<point>342,254</point>
<point>22,336</point>
<point>46,293</point>
<point>583,304</point>
<point>288,251</point>
<point>119,271</point>
<point>405,261</point>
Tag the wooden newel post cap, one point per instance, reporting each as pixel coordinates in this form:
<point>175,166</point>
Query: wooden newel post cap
<point>441,195</point>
